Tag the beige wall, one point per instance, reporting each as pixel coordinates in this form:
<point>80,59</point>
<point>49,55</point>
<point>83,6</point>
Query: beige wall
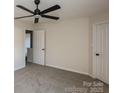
<point>19,47</point>
<point>67,44</point>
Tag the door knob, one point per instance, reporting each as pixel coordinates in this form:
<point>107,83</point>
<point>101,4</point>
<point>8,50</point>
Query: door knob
<point>97,54</point>
<point>43,49</point>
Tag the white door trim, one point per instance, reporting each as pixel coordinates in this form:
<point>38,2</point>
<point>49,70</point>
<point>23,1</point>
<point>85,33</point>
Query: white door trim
<point>93,45</point>
<point>44,64</point>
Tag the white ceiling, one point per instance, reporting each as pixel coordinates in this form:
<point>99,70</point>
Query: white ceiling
<point>69,8</point>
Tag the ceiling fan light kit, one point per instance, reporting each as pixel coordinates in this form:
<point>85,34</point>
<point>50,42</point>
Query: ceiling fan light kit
<point>37,13</point>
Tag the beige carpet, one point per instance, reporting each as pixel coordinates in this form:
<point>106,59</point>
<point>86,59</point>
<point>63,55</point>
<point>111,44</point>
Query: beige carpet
<point>39,79</point>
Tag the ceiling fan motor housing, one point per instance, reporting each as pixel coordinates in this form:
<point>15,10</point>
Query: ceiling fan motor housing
<point>36,12</point>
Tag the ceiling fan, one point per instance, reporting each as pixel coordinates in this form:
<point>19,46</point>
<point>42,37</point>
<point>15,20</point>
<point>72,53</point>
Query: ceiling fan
<point>38,13</point>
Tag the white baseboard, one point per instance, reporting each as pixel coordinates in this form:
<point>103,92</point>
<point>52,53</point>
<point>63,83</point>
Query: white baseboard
<point>19,67</point>
<point>92,76</point>
<point>84,73</point>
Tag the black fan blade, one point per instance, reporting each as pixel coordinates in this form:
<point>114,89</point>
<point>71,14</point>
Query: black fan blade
<point>53,8</point>
<point>24,8</point>
<point>36,20</point>
<point>51,17</point>
<point>23,17</point>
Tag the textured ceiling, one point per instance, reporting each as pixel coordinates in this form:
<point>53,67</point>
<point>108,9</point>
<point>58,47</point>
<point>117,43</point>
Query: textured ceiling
<point>69,8</point>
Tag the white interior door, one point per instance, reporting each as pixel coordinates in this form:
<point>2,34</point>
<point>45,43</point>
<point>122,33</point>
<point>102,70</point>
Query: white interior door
<point>101,51</point>
<point>39,47</point>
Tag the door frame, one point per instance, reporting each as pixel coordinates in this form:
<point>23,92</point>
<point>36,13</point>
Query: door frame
<point>31,38</point>
<point>93,45</point>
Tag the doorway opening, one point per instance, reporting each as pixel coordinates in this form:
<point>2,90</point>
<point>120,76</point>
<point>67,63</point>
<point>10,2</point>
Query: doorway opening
<point>28,46</point>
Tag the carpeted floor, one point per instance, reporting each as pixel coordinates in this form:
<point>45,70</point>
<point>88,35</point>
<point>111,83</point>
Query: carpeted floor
<point>42,79</point>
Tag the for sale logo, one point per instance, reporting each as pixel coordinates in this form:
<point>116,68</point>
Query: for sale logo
<point>88,87</point>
